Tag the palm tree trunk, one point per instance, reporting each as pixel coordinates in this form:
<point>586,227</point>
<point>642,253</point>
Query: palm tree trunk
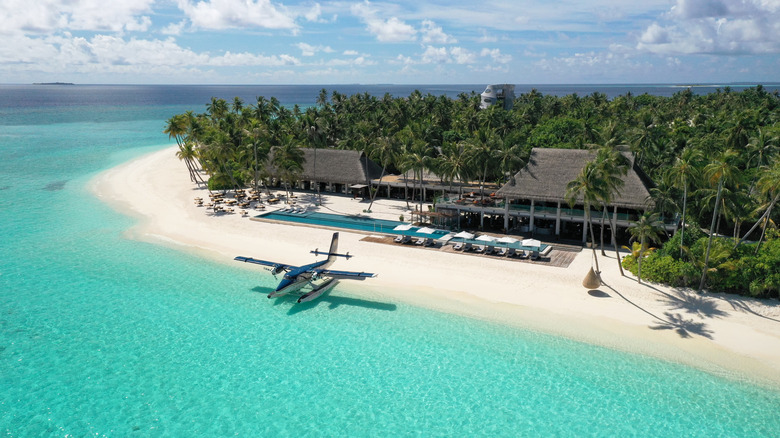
<point>639,260</point>
<point>613,229</point>
<point>373,195</point>
<point>592,241</point>
<point>709,241</point>
<point>603,213</point>
<point>763,231</point>
<point>682,227</point>
<point>765,215</point>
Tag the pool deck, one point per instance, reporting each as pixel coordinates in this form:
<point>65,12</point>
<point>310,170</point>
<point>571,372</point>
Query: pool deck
<point>391,209</point>
<point>561,256</point>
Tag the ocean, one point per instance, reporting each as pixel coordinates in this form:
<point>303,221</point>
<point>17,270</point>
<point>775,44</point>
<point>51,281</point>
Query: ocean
<point>101,335</point>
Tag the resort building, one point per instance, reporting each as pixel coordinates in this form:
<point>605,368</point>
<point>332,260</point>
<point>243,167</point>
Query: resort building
<point>498,93</point>
<point>337,171</point>
<point>534,201</point>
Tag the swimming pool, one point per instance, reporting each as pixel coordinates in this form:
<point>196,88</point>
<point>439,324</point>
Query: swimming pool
<point>353,222</point>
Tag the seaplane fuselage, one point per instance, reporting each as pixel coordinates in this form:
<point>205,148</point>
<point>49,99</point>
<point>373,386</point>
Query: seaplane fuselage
<point>296,277</point>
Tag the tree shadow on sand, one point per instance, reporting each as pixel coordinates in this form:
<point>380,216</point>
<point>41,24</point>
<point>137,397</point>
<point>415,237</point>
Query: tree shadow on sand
<point>684,327</point>
<point>743,304</point>
<point>692,302</point>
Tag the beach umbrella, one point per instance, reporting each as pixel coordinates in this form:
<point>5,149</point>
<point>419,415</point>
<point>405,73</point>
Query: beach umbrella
<point>531,243</point>
<point>403,227</point>
<point>486,238</point>
<point>426,230</point>
<point>464,235</point>
<point>507,239</point>
<point>446,238</point>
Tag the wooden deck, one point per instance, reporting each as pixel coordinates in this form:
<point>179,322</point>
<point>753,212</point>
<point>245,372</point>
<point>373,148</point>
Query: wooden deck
<point>561,255</point>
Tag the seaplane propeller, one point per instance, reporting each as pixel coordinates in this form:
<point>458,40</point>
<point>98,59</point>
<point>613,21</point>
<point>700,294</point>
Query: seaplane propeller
<point>276,270</point>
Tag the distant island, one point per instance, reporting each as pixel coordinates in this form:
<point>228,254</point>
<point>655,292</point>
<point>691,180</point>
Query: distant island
<point>53,83</point>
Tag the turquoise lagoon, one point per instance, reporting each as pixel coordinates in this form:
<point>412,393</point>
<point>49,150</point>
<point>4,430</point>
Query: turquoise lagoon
<point>101,335</point>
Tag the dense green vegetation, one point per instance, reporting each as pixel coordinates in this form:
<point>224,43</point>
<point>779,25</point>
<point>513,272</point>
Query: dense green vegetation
<point>713,158</point>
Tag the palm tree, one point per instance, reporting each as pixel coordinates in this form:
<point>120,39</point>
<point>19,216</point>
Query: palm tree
<point>611,166</point>
<point>176,128</point>
<point>682,174</point>
<point>287,158</point>
<point>718,171</point>
<point>417,160</point>
<point>647,227</point>
<point>768,185</point>
<point>385,151</point>
<point>590,188</point>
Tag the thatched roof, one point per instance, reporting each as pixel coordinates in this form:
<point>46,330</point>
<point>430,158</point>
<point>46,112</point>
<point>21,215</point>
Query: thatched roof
<point>338,166</point>
<point>548,172</point>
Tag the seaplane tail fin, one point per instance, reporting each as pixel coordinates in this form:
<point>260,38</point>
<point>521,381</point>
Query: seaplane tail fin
<point>334,245</point>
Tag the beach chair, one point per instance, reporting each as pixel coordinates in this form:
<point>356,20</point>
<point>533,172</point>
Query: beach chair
<point>419,241</point>
<point>511,252</point>
<point>468,247</point>
<point>490,249</point>
<point>523,254</point>
<point>428,242</point>
<point>406,239</point>
<point>458,246</point>
<point>502,252</point>
<point>398,239</point>
<point>480,249</point>
<point>534,255</point>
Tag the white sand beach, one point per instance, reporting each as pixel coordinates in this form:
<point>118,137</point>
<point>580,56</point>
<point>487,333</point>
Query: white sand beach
<point>723,334</point>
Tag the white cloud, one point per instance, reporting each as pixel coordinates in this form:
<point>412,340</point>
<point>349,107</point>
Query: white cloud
<point>496,56</point>
<point>391,30</point>
<point>49,16</point>
<point>309,50</point>
<point>432,34</point>
<point>174,28</point>
<point>350,52</point>
<point>485,38</point>
<point>715,27</point>
<point>444,55</point>
<point>435,55</point>
<point>224,14</point>
<point>108,53</point>
<point>314,13</point>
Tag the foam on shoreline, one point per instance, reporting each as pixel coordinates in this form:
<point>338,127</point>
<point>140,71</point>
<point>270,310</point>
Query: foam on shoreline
<point>726,335</point>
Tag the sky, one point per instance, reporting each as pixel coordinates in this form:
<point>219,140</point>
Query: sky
<point>399,42</point>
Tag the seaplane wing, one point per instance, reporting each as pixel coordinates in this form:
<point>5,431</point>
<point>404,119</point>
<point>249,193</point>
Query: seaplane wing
<point>346,275</point>
<point>278,267</point>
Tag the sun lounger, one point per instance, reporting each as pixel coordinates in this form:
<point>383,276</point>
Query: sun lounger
<point>428,242</point>
<point>511,252</point>
<point>534,255</point>
<point>480,249</point>
<point>523,254</point>
<point>419,241</point>
<point>502,252</point>
<point>398,239</point>
<point>458,246</point>
<point>468,247</point>
<point>406,239</point>
<point>490,249</point>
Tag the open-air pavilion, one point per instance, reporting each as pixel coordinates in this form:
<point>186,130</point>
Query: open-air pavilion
<point>534,201</point>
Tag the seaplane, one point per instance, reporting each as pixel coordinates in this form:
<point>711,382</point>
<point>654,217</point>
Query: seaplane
<point>316,274</point>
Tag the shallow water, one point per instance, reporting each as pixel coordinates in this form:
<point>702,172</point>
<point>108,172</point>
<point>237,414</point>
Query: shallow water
<point>107,336</point>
